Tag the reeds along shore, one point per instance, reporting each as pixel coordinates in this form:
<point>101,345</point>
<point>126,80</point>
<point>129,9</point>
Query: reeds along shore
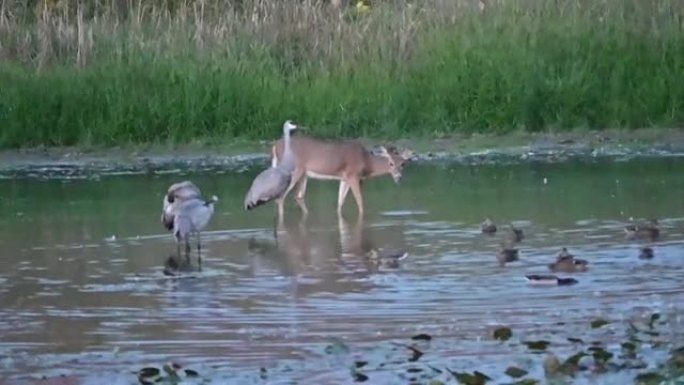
<point>134,71</point>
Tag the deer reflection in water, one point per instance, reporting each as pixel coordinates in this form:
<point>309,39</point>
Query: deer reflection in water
<point>309,247</point>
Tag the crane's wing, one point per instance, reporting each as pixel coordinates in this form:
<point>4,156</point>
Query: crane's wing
<point>267,186</point>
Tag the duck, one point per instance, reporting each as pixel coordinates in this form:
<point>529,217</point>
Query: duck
<point>488,226</point>
<point>567,263</point>
<point>506,254</point>
<point>649,230</point>
<point>646,253</point>
<point>540,279</point>
<point>515,234</point>
<point>389,258</point>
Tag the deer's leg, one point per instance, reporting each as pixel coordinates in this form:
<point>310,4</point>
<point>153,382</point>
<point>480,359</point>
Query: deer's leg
<point>301,190</point>
<point>355,185</point>
<point>341,195</point>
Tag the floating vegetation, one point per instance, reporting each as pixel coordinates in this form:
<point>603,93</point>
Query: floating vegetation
<point>476,378</point>
<point>422,337</point>
<point>337,348</point>
<point>537,345</point>
<point>597,323</point>
<point>649,379</point>
<point>515,372</point>
<point>503,333</point>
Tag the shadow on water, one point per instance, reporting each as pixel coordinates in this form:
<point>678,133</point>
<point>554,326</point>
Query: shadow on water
<point>82,287</point>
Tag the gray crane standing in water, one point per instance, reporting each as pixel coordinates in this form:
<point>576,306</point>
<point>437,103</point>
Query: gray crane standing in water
<point>185,212</point>
<point>273,183</point>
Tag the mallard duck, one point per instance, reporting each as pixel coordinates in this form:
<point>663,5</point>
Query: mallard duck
<point>537,279</point>
<point>388,258</point>
<point>515,234</point>
<point>646,253</point>
<point>567,263</point>
<point>488,226</point>
<point>647,231</point>
<point>506,254</point>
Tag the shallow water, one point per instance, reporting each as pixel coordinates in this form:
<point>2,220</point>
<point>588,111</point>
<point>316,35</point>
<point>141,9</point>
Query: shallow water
<point>82,289</point>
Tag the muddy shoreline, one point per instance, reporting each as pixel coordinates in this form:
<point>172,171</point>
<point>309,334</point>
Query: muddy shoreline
<point>617,145</point>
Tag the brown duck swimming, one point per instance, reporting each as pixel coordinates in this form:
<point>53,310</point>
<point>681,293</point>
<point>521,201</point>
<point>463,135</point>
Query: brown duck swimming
<point>506,254</point>
<point>488,226</point>
<point>567,263</point>
<point>646,253</point>
<point>649,230</point>
<point>389,258</point>
<point>515,234</point>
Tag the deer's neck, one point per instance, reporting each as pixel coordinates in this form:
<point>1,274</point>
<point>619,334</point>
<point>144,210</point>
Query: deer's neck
<point>377,165</point>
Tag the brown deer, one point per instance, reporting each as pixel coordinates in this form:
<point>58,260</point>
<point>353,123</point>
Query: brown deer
<point>347,161</point>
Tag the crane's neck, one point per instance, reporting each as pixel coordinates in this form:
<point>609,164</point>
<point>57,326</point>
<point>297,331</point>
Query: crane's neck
<point>288,162</point>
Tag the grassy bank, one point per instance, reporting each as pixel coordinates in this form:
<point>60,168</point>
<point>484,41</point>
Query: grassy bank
<point>112,72</point>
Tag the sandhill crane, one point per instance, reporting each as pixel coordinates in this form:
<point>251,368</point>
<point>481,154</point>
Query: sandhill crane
<point>275,182</point>
<point>176,193</point>
<point>184,211</point>
<point>192,216</point>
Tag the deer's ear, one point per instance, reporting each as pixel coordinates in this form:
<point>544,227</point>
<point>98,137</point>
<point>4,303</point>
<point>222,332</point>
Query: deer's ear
<point>383,151</point>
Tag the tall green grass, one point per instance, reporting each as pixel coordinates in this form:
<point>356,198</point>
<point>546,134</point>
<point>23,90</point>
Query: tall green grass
<point>112,72</point>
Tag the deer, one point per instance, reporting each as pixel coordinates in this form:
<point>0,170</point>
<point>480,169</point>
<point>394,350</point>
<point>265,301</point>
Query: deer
<point>345,160</point>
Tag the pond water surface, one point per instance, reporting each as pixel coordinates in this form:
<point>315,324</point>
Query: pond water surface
<point>82,290</point>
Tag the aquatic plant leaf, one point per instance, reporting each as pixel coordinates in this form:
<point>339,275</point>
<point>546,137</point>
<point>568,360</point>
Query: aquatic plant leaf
<point>527,381</point>
<point>650,378</point>
<point>360,364</point>
<point>503,333</point>
<point>414,370</point>
<point>436,382</point>
<point>676,358</point>
<point>359,377</point>
<point>477,378</point>
<point>629,346</point>
<point>191,373</point>
<point>337,348</point>
<point>415,354</point>
<point>575,340</point>
<point>597,323</point>
<point>263,373</point>
<point>654,318</point>
<point>601,356</point>
<point>149,375</point>
<point>515,372</point>
<point>537,345</point>
<point>422,337</point>
<point>574,359</point>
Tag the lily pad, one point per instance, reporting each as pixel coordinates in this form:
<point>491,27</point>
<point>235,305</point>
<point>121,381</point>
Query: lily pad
<point>574,359</point>
<point>359,377</point>
<point>477,378</point>
<point>360,364</point>
<point>650,378</point>
<point>575,340</point>
<point>436,382</point>
<point>415,354</point>
<point>654,317</point>
<point>515,372</point>
<point>527,381</point>
<point>597,323</point>
<point>191,373</point>
<point>537,345</point>
<point>503,333</point>
<point>414,370</point>
<point>601,356</point>
<point>422,337</point>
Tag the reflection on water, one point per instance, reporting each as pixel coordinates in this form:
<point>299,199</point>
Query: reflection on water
<point>82,264</point>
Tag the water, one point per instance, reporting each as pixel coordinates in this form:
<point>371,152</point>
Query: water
<point>82,290</point>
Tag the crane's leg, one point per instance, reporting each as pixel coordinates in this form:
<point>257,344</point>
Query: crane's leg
<point>341,195</point>
<point>187,249</point>
<point>199,252</point>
